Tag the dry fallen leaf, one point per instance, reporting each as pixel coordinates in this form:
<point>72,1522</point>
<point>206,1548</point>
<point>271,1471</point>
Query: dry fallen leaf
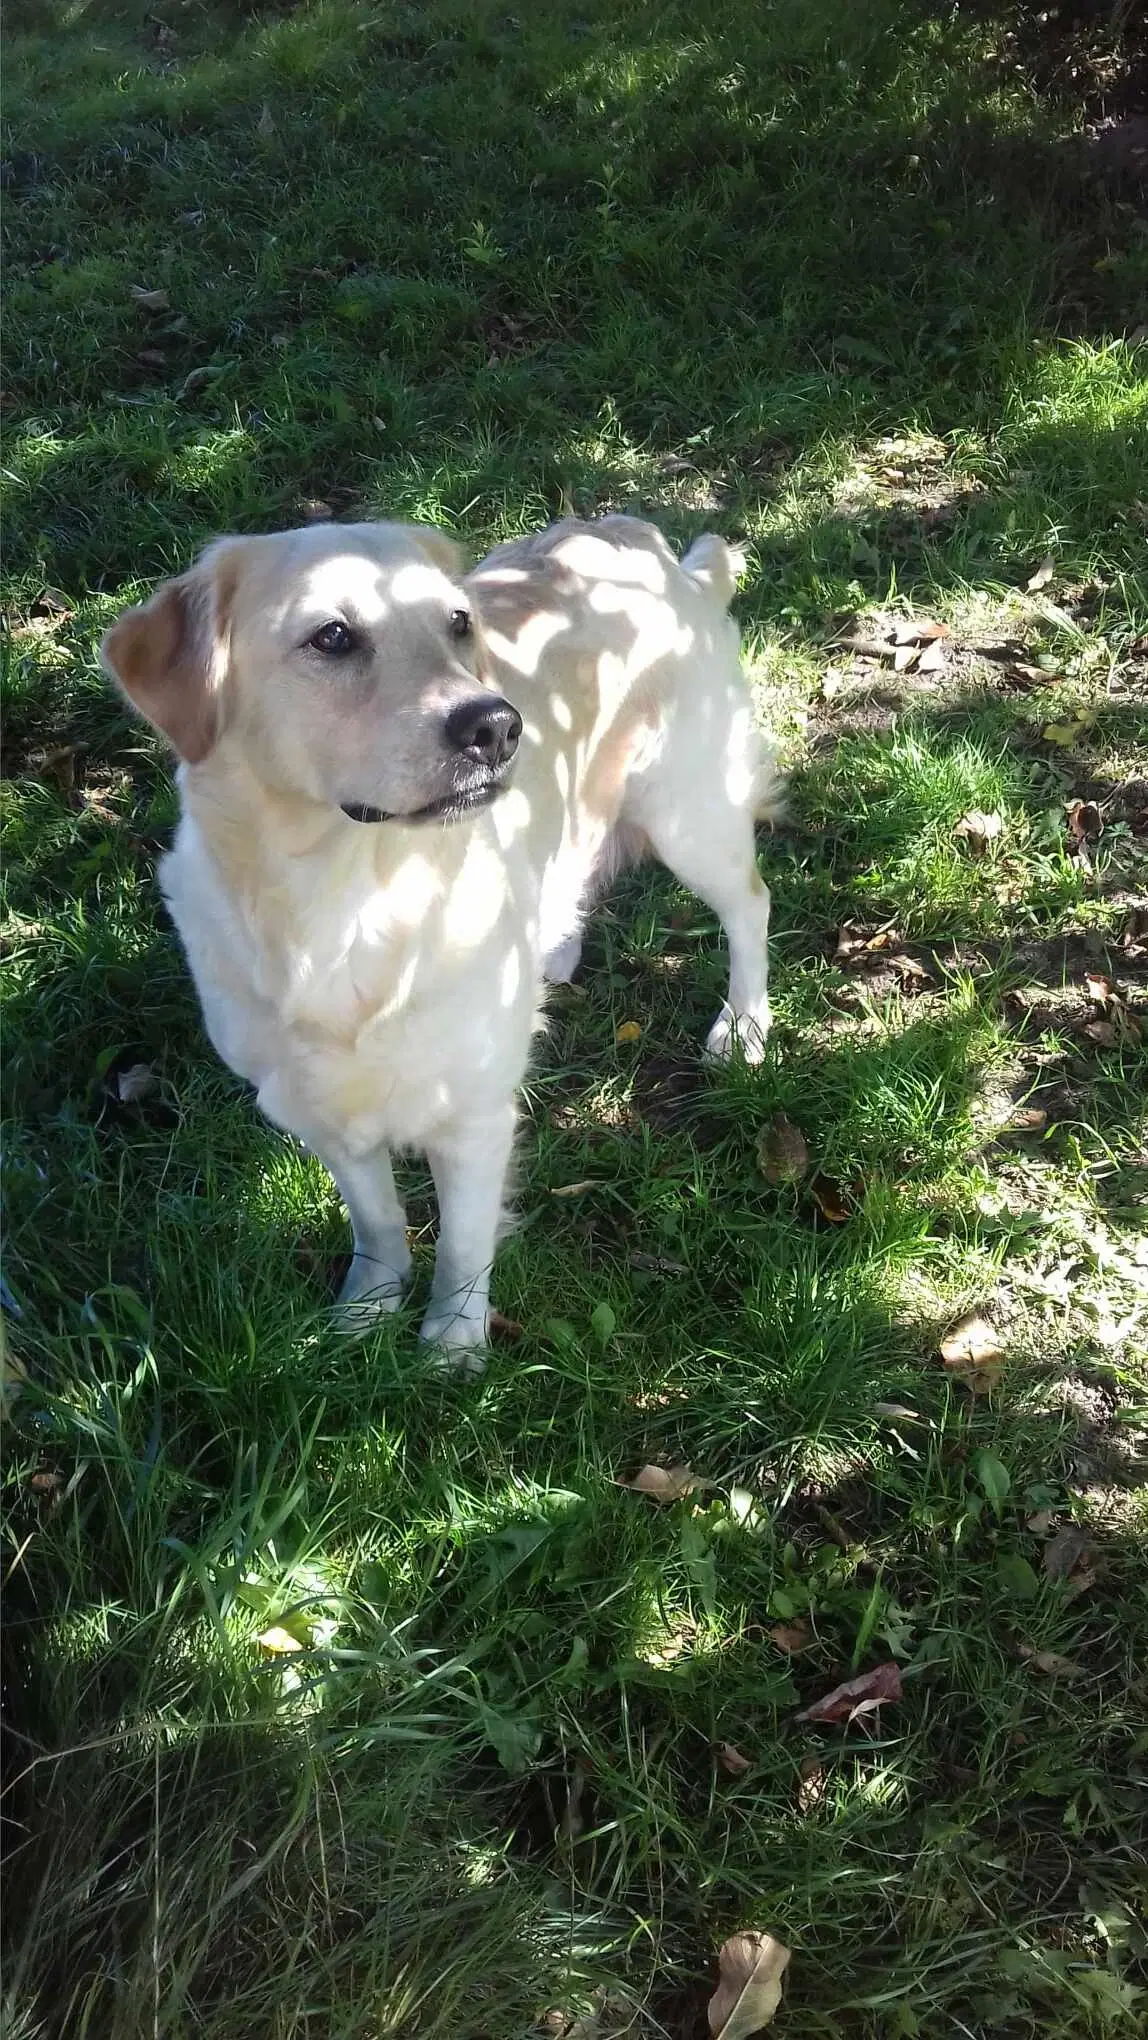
<point>501,1327</point>
<point>978,830</point>
<point>909,970</point>
<point>862,1695</point>
<point>811,1785</point>
<point>791,1637</point>
<point>656,1264</point>
<point>1099,987</point>
<point>1084,820</point>
<point>750,1969</point>
<point>1048,1661</point>
<point>575,1189</point>
<point>830,1200</point>
<point>732,1760</point>
<point>630,1030</point>
<point>151,357</point>
<point>971,1340</point>
<point>1042,576</point>
<point>1040,1524</point>
<point>1023,674</point>
<point>934,658</point>
<point>854,940</point>
<point>1065,1553</point>
<point>1028,1119</point>
<point>135,1083</point>
<point>663,1483</point>
<point>1102,1032</point>
<point>920,630</point>
<point>782,1151</point>
<point>150,300</point>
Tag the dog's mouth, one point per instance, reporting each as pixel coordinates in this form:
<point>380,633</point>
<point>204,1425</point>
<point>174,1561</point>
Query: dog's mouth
<point>452,807</point>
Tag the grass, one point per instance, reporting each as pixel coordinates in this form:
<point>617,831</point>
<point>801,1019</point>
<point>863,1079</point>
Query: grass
<point>828,278</point>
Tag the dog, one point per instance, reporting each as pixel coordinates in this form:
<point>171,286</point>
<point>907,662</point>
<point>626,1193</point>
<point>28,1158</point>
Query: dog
<point>401,786</point>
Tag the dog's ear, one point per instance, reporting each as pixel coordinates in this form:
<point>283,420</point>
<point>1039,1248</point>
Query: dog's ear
<point>170,654</point>
<point>443,551</point>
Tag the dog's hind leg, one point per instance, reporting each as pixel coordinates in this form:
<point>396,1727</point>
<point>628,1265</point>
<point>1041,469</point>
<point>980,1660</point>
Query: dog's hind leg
<point>697,808</point>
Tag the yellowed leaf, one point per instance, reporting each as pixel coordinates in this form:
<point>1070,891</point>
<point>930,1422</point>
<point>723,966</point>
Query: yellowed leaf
<point>663,1483</point>
<point>750,1969</point>
<point>630,1030</point>
<point>278,1641</point>
<point>1065,734</point>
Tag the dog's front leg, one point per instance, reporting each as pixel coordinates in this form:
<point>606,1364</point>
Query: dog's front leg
<point>469,1170</point>
<point>381,1261</point>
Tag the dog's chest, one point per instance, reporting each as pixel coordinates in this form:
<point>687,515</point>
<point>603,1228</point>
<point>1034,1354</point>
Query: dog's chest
<point>355,998</point>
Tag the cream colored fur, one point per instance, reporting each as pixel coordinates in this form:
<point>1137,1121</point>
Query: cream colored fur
<point>378,983</point>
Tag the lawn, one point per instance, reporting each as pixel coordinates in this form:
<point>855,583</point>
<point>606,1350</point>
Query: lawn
<point>342,1701</point>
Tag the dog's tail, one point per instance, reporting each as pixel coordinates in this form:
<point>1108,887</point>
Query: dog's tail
<point>715,566</point>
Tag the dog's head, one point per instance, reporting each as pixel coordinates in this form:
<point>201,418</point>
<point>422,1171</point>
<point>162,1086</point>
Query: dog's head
<point>345,661</point>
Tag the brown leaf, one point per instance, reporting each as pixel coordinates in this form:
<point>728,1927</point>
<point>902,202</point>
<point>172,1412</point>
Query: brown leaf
<point>1064,1552</point>
<point>1043,575</point>
<point>1049,1661</point>
<point>663,1483</point>
<point>1099,987</point>
<point>750,1969</point>
<point>575,1189</point>
<point>811,1785</point>
<point>853,941</point>
<point>45,1482</point>
<point>151,357</point>
<point>731,1759</point>
<point>1102,1032</point>
<point>150,300</point>
<point>857,1696</point>
<point>501,1327</point>
<point>1040,1524</point>
<point>972,1351</point>
<point>791,1637</point>
<point>829,1198</point>
<point>135,1083</point>
<point>978,830</point>
<point>920,630</point>
<point>782,1150</point>
<point>908,968</point>
<point>52,602</point>
<point>1084,820</point>
<point>1028,1119</point>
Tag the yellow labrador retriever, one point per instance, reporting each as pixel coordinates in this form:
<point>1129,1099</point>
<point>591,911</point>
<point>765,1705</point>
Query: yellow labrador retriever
<point>401,785</point>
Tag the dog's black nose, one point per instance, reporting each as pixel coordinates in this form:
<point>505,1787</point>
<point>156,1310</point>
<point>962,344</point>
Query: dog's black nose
<point>486,729</point>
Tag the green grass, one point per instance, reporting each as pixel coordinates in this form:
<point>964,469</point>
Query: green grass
<point>457,263</point>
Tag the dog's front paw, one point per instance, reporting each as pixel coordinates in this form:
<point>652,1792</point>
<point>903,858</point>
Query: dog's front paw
<point>371,1291</point>
<point>458,1340</point>
<point>738,1036</point>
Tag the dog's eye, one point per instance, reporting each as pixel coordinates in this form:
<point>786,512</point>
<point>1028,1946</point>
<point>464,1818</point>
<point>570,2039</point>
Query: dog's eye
<point>334,639</point>
<point>460,623</point>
